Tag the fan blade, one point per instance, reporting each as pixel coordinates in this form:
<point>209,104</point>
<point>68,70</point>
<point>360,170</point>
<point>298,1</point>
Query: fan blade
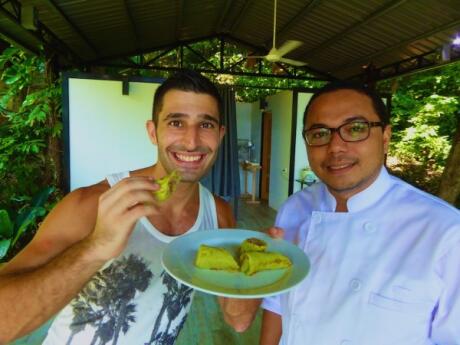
<point>288,46</point>
<point>293,62</point>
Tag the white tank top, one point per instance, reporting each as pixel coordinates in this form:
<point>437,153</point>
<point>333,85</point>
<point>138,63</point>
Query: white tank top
<point>132,300</point>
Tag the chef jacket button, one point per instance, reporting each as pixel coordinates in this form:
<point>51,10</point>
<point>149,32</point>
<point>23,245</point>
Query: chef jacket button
<point>369,227</point>
<point>355,284</point>
<point>316,218</point>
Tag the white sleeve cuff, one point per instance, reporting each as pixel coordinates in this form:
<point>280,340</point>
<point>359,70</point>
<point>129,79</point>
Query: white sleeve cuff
<point>272,304</point>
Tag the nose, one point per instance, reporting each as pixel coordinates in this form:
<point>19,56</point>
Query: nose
<point>191,138</point>
<point>337,144</point>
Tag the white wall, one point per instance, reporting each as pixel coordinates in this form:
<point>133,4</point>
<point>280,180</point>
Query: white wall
<point>256,136</point>
<point>107,129</point>
<point>243,120</point>
<point>281,108</point>
<point>248,122</point>
<point>301,158</point>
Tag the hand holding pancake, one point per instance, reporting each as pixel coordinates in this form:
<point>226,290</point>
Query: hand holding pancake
<point>118,211</point>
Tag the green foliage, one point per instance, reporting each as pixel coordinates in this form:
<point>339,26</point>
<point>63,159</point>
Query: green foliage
<point>28,101</point>
<point>24,220</point>
<point>425,113</point>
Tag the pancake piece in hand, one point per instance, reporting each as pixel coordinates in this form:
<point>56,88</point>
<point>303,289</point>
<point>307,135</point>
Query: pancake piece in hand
<point>215,258</point>
<point>253,262</point>
<point>167,185</point>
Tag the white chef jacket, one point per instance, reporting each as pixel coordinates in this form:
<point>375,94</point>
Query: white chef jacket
<point>385,273</point>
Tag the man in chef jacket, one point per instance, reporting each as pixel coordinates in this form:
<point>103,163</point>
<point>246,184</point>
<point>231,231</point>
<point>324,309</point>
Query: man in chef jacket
<point>384,255</point>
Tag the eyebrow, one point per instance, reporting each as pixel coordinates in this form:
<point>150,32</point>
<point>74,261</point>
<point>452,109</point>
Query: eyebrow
<point>172,116</point>
<point>347,120</point>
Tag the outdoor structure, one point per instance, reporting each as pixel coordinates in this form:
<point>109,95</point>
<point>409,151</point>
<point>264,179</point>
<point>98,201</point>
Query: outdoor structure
<point>363,40</point>
<point>341,40</point>
<point>368,41</point>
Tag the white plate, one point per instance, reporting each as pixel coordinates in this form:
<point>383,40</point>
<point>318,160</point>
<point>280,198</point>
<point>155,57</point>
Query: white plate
<point>179,257</point>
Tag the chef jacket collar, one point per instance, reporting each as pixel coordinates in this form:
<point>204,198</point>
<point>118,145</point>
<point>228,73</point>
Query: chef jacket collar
<point>365,198</point>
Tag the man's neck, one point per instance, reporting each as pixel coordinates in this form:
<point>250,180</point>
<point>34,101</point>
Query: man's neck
<point>343,196</point>
<point>341,205</point>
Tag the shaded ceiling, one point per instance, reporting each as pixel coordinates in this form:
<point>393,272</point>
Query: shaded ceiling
<point>339,37</point>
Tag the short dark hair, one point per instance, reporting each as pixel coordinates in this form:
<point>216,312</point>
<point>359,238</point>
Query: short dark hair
<point>185,80</point>
<point>379,107</point>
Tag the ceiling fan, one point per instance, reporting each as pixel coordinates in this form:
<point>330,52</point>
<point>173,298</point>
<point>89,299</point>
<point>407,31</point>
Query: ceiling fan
<point>277,54</point>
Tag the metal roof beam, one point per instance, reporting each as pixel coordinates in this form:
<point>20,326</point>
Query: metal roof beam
<point>224,38</point>
<point>200,56</point>
<point>220,23</point>
<point>57,10</point>
<point>214,71</point>
<point>131,22</point>
<point>179,18</point>
<point>55,43</point>
<point>28,40</point>
<point>366,59</point>
<point>380,12</point>
<point>451,25</point>
<point>11,37</point>
<point>414,64</point>
<point>159,56</point>
<point>324,75</point>
<point>294,21</point>
<point>241,15</point>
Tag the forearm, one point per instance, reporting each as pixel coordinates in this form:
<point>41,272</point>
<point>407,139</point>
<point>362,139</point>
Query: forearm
<point>239,313</point>
<point>30,298</point>
<point>270,333</point>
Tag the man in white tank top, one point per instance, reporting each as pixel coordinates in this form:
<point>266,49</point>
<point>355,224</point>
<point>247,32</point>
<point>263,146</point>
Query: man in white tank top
<point>95,260</point>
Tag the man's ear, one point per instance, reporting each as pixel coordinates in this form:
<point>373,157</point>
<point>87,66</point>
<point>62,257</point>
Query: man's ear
<point>386,138</point>
<point>222,131</point>
<point>152,131</point>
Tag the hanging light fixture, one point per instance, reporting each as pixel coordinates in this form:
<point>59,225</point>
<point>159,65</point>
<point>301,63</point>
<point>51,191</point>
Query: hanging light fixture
<point>456,40</point>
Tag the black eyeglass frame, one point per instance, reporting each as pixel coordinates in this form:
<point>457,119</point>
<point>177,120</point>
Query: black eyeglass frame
<point>370,125</point>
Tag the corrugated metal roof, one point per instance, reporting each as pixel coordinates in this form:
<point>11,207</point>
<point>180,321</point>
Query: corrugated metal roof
<point>339,36</point>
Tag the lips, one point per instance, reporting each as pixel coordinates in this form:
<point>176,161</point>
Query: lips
<point>339,167</point>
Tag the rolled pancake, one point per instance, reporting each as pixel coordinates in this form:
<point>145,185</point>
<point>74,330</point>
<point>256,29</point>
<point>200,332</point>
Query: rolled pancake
<point>253,262</point>
<point>167,185</point>
<point>252,245</point>
<point>215,258</point>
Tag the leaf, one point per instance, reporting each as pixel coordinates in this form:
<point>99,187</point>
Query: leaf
<point>37,202</point>
<point>6,226</point>
<point>28,214</point>
<point>4,246</point>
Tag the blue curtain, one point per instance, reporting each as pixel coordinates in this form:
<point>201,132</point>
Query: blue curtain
<point>224,178</point>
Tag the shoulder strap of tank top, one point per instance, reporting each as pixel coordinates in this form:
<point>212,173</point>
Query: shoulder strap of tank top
<point>117,177</point>
<point>209,210</point>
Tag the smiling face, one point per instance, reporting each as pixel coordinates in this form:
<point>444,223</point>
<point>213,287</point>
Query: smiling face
<point>188,134</point>
<point>346,168</point>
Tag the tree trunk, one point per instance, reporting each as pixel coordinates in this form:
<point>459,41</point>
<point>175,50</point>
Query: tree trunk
<point>54,173</point>
<point>449,188</point>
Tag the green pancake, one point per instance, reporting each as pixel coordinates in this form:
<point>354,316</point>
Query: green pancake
<point>252,245</point>
<point>253,262</point>
<point>215,258</point>
<point>167,185</point>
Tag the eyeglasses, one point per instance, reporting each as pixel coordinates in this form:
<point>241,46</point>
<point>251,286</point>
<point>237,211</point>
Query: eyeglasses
<point>349,132</point>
